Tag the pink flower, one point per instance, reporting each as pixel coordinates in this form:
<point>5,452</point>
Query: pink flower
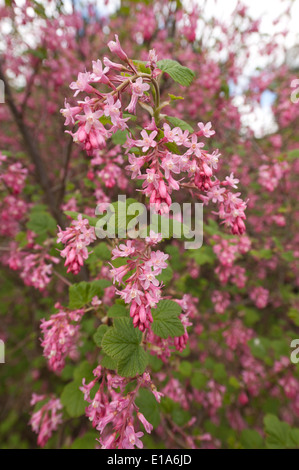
<point>152,59</point>
<point>132,439</point>
<point>60,337</point>
<point>170,134</point>
<point>69,112</point>
<point>205,129</point>
<point>115,47</point>
<point>135,165</point>
<point>112,109</point>
<point>153,238</point>
<point>138,88</point>
<point>99,74</point>
<point>158,260</point>
<point>171,164</point>
<point>123,250</point>
<point>232,181</point>
<point>148,140</point>
<point>91,119</point>
<point>194,146</point>
<point>216,194</point>
<point>147,426</point>
<point>82,83</point>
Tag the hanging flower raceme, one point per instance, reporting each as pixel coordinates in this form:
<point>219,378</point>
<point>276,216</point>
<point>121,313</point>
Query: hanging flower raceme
<point>113,412</point>
<point>46,419</point>
<point>35,267</point>
<point>76,238</point>
<point>142,288</point>
<point>60,336</point>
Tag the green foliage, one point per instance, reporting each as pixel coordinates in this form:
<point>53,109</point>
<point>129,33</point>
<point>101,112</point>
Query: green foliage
<point>176,122</point>
<point>251,439</point>
<point>41,222</point>
<point>183,75</point>
<point>82,293</point>
<point>117,310</point>
<point>166,321</point>
<point>99,334</point>
<point>88,441</point>
<point>73,399</point>
<point>279,435</point>
<point>149,407</point>
<point>122,343</point>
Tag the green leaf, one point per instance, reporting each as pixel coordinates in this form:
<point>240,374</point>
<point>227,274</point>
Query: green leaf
<point>203,255</point>
<point>122,343</point>
<point>178,72</point>
<point>293,314</point>
<point>117,311</point>
<point>277,432</point>
<point>83,292</point>
<point>180,416</point>
<point>251,439</point>
<point>174,97</point>
<point>83,370</point>
<point>99,334</point>
<point>120,137</point>
<point>293,154</point>
<point>220,373</point>
<point>148,406</point>
<point>141,66</point>
<point>88,441</point>
<point>198,380</point>
<point>41,223</point>
<point>185,368</point>
<point>73,399</point>
<point>166,321</point>
<point>109,363</point>
<point>102,251</point>
<point>176,122</point>
<point>233,381</point>
<point>288,256</point>
<point>166,275</point>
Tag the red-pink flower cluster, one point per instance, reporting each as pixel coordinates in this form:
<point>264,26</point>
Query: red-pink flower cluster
<point>111,411</point>
<point>35,267</point>
<point>227,252</point>
<point>76,238</point>
<point>143,289</point>
<point>46,419</point>
<point>60,336</point>
<point>260,296</point>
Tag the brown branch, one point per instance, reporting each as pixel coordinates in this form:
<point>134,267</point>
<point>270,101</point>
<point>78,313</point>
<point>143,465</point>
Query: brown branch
<point>32,149</point>
<point>65,171</point>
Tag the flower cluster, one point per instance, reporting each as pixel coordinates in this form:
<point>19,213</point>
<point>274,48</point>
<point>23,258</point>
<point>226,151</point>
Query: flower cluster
<point>76,238</point>
<point>111,411</point>
<point>46,419</point>
<point>13,176</point>
<point>35,266</point>
<point>227,252</point>
<point>60,336</point>
<point>143,289</point>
